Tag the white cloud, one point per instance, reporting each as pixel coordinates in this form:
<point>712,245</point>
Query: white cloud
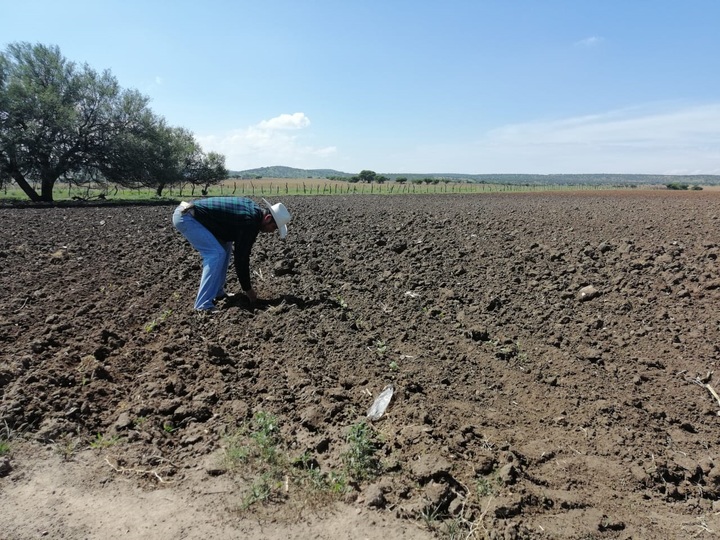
<point>285,121</point>
<point>639,140</point>
<point>658,139</point>
<point>667,138</point>
<point>268,143</point>
<point>686,124</point>
<point>589,42</point>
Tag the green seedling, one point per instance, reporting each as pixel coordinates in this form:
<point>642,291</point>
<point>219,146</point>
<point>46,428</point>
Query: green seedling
<point>257,442</point>
<point>101,442</point>
<point>152,325</point>
<point>430,516</point>
<point>4,448</point>
<point>66,448</point>
<point>360,460</point>
<point>260,491</point>
<point>236,452</point>
<point>488,485</point>
<point>257,449</point>
<point>266,436</point>
<point>337,483</point>
<point>235,455</point>
<point>308,475</point>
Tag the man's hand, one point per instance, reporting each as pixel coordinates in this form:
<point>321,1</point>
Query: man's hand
<point>252,295</point>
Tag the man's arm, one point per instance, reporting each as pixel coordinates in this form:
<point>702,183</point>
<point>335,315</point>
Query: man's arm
<point>243,246</point>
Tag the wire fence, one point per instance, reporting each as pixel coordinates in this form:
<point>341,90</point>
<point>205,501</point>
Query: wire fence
<point>277,187</point>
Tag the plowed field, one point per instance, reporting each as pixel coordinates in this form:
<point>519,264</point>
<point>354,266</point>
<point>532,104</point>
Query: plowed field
<point>552,359</point>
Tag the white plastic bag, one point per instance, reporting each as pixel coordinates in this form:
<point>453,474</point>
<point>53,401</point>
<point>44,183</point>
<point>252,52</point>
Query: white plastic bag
<point>381,403</point>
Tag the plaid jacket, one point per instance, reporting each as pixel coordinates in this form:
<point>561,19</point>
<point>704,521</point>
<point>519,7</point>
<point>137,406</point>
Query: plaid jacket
<point>232,219</point>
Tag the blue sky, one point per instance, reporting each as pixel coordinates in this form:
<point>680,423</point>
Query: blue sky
<point>412,86</point>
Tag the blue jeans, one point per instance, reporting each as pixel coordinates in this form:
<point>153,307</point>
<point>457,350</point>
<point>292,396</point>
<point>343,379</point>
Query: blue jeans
<point>215,256</point>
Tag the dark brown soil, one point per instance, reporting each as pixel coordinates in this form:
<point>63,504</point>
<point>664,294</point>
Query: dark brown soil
<point>552,354</point>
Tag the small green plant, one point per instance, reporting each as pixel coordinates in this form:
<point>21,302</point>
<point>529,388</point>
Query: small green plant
<point>168,427</point>
<point>235,455</point>
<point>66,448</point>
<point>307,475</point>
<point>261,490</point>
<point>102,442</point>
<point>303,461</point>
<point>380,347</point>
<point>360,460</point>
<point>256,442</point>
<point>140,421</point>
<point>488,485</point>
<point>313,479</point>
<point>454,529</point>
<point>337,483</point>
<point>4,447</point>
<point>512,352</point>
<point>236,451</point>
<point>430,515</point>
<point>394,366</point>
<point>152,325</point>
<point>257,447</point>
<point>266,436</point>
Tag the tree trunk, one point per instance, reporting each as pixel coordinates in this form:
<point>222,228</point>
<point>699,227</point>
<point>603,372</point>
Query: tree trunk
<point>159,190</point>
<point>46,190</point>
<point>27,188</point>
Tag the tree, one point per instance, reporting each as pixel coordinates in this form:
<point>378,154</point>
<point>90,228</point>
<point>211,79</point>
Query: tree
<point>163,156</point>
<point>208,170</point>
<point>4,114</point>
<point>57,118</point>
<point>147,158</point>
<point>367,176</point>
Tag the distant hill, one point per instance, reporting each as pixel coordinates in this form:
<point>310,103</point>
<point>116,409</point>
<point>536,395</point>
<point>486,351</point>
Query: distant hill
<point>288,172</point>
<point>523,179</point>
